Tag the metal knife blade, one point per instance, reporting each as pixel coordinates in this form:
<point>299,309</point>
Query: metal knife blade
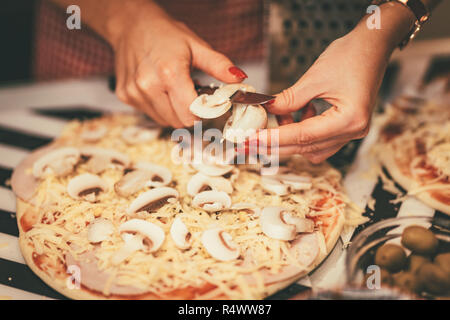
<point>239,96</point>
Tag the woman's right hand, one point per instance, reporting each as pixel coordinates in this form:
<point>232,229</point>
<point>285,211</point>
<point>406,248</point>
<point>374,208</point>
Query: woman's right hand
<point>154,55</point>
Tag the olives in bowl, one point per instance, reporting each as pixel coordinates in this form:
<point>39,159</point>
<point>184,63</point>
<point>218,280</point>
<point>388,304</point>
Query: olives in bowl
<point>408,255</point>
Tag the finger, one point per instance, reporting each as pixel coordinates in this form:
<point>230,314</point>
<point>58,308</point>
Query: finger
<point>145,105</point>
<point>216,64</point>
<point>181,93</point>
<point>317,157</point>
<point>307,148</point>
<point>329,124</point>
<point>163,107</point>
<point>295,97</point>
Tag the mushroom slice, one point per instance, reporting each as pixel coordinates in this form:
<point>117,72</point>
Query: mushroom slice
<point>213,170</point>
<point>132,182</point>
<point>137,134</point>
<point>180,234</point>
<point>274,226</point>
<point>249,207</point>
<point>296,182</point>
<point>200,182</point>
<point>244,122</point>
<point>219,244</point>
<point>204,107</point>
<point>86,186</point>
<point>274,186</point>
<point>301,224</point>
<point>152,235</point>
<point>160,176</point>
<point>100,230</point>
<point>132,243</point>
<point>100,159</point>
<point>145,175</point>
<point>152,200</point>
<point>212,201</point>
<point>59,162</point>
<point>93,132</point>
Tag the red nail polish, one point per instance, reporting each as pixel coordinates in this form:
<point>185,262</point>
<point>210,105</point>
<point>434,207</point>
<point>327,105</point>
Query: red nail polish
<point>235,71</point>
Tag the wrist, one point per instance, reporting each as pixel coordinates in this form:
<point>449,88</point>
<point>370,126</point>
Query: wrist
<point>126,14</point>
<point>396,21</point>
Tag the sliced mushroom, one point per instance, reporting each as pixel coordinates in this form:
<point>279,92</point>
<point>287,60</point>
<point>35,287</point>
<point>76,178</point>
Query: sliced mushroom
<point>145,175</point>
<point>212,201</point>
<point>137,134</point>
<point>296,182</point>
<point>93,132</point>
<point>132,182</point>
<point>219,244</point>
<point>86,186</point>
<point>273,186</point>
<point>213,170</point>
<point>249,207</point>
<point>60,162</point>
<point>152,200</point>
<point>274,226</point>
<point>244,122</point>
<point>100,159</point>
<point>180,234</point>
<point>161,176</point>
<point>200,182</point>
<point>151,234</point>
<point>301,224</point>
<point>100,230</point>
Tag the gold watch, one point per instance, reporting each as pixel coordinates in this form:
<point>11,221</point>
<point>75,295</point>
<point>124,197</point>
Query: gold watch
<point>419,10</point>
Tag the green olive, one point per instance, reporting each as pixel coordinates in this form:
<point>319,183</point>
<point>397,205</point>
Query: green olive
<point>415,262</point>
<point>386,278</point>
<point>443,261</point>
<point>433,279</point>
<point>419,240</point>
<point>391,257</point>
<point>407,281</point>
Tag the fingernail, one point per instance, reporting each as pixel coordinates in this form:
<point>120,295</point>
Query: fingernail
<point>235,71</point>
<point>270,102</point>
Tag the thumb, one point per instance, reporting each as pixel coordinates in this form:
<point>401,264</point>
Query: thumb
<point>216,64</point>
<point>293,98</point>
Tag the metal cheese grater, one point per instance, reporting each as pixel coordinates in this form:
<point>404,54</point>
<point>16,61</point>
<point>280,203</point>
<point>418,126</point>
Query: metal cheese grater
<point>301,29</point>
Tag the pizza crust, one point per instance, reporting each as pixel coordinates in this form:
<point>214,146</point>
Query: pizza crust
<point>388,160</point>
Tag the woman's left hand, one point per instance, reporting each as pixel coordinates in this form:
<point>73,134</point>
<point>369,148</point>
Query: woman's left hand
<point>347,75</point>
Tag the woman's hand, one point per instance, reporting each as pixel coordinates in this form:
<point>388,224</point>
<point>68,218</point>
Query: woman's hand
<point>154,55</point>
<point>347,75</point>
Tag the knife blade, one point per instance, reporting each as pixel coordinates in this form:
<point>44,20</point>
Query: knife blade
<point>239,96</point>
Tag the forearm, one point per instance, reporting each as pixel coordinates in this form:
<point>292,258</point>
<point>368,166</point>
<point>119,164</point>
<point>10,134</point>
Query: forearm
<point>109,17</point>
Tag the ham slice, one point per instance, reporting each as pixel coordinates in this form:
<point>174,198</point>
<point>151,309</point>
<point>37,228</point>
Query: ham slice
<point>94,279</point>
<point>25,184</point>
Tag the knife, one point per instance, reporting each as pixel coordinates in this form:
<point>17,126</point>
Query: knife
<point>239,96</point>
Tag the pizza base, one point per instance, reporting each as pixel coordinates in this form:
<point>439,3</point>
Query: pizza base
<point>87,294</point>
<point>388,160</point>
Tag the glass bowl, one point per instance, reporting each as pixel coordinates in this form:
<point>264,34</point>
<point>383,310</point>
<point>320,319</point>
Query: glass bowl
<point>361,252</point>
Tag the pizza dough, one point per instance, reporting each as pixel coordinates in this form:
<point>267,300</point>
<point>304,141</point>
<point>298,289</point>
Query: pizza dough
<point>415,148</point>
<point>105,208</point>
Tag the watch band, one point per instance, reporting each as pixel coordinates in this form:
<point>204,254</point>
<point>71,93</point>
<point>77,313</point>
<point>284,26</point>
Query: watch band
<point>419,10</point>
